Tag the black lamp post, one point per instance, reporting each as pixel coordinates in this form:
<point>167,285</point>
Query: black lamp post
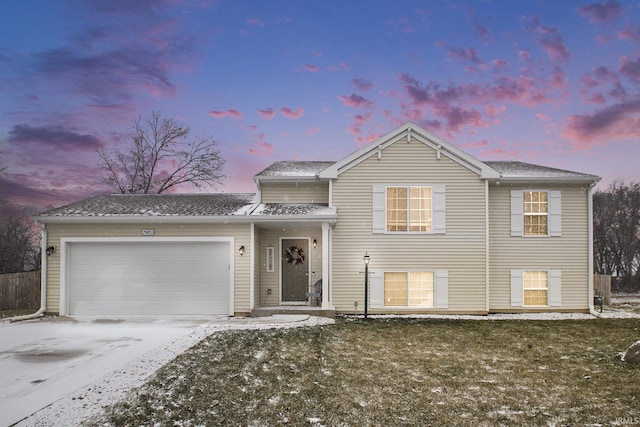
<point>366,283</point>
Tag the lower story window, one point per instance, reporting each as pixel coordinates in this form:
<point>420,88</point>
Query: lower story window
<point>408,289</point>
<point>536,286</point>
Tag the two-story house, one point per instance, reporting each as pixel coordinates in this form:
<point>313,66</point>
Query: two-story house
<point>444,233</point>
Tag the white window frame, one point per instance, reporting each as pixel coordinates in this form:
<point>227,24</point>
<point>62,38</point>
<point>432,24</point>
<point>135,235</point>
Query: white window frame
<point>438,208</point>
<point>408,188</point>
<point>554,213</point>
<point>408,288</point>
<point>554,287</point>
<point>440,289</point>
<point>524,289</point>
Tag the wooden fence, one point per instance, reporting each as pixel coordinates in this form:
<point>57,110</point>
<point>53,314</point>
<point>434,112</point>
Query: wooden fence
<point>602,287</point>
<point>20,291</point>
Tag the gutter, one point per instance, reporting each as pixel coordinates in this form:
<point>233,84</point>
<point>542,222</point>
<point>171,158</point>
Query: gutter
<point>592,309</point>
<point>43,280</point>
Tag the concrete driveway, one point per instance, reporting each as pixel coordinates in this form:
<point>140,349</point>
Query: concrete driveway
<point>43,361</point>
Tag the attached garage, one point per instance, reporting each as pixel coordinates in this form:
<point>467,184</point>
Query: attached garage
<point>142,276</point>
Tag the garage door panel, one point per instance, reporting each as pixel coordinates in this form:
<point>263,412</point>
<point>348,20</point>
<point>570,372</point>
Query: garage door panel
<point>149,278</point>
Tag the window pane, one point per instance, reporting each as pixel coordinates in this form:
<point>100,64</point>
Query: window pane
<point>421,289</point>
<point>395,289</point>
<point>535,288</point>
<point>396,209</point>
<point>535,225</point>
<point>420,209</point>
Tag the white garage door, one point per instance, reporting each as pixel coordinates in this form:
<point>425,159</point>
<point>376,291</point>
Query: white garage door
<point>131,278</point>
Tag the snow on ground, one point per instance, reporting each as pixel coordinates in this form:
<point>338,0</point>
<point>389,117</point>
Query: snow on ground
<point>91,400</point>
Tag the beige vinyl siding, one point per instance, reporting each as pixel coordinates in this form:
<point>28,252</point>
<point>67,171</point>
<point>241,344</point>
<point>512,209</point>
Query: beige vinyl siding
<point>241,233</point>
<point>258,266</point>
<point>568,253</point>
<point>294,192</point>
<point>460,250</point>
<point>271,280</point>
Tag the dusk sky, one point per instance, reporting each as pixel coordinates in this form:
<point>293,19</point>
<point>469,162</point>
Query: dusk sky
<point>552,82</point>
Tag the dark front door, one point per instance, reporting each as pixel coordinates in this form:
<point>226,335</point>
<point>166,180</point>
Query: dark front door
<point>295,270</point>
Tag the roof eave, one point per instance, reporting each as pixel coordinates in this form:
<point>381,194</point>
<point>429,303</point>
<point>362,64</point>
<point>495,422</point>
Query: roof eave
<point>591,179</point>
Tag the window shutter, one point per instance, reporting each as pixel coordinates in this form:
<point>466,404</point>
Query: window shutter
<point>376,289</point>
<point>439,208</point>
<point>442,289</point>
<point>379,203</point>
<point>517,213</point>
<point>555,288</point>
<point>517,283</point>
<point>555,213</point>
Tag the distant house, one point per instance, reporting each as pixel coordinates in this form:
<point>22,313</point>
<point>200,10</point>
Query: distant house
<point>445,232</point>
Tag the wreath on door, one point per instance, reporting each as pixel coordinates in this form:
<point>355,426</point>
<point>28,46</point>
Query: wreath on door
<point>295,255</point>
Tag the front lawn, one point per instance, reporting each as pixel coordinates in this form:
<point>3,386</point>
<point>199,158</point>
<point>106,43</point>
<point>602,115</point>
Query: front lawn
<point>394,372</point>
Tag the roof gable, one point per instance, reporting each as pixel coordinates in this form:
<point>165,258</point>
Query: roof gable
<point>410,132</point>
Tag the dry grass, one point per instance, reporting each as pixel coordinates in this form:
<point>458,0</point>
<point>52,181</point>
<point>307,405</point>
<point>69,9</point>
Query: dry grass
<point>398,372</point>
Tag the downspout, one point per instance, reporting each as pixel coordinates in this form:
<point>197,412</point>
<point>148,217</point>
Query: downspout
<point>592,309</point>
<point>43,279</point>
<point>486,244</point>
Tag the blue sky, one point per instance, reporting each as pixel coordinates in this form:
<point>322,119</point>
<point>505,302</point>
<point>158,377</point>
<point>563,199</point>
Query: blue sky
<point>549,82</point>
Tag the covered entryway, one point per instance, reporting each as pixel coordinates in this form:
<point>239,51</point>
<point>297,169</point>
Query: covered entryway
<point>148,277</point>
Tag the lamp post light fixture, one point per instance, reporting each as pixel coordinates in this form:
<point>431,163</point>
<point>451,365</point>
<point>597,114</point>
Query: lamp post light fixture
<point>366,282</point>
<point>241,250</point>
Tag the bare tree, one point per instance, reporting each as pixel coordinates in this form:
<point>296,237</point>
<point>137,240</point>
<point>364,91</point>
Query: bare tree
<point>19,248</point>
<point>616,233</point>
<point>161,157</point>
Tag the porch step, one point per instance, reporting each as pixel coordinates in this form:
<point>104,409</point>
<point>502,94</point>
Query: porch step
<point>305,309</point>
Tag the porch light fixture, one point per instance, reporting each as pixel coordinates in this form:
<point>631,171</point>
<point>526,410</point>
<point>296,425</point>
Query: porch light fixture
<point>50,250</point>
<point>366,282</point>
<point>241,250</point>
<point>315,243</point>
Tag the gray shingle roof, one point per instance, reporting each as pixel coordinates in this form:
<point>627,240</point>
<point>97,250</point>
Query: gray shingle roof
<point>155,205</point>
<point>512,169</point>
<point>288,209</point>
<point>294,169</point>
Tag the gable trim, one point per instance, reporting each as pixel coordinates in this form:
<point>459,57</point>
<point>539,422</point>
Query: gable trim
<point>412,133</point>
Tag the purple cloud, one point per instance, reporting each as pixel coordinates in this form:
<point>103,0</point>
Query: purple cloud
<point>469,54</point>
<point>598,13</point>
<point>267,113</point>
<point>355,101</point>
<point>292,114</point>
<point>552,42</point>
<point>630,68</point>
<point>57,136</point>
<point>221,114</point>
<point>614,122</point>
<point>363,85</point>
<point>630,33</point>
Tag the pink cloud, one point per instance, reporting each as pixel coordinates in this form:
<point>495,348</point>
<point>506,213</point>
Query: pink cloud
<point>630,33</point>
<point>558,80</point>
<point>500,153</point>
<point>598,13</point>
<point>255,22</point>
<point>312,68</point>
<point>344,65</point>
<point>221,114</point>
<point>500,63</point>
<point>268,113</point>
<point>259,147</point>
<point>617,121</point>
<point>291,114</point>
<point>482,33</point>
<point>524,56</point>
<point>355,101</point>
<point>542,117</point>
<point>552,42</point>
<point>630,68</point>
<point>469,54</point>
<point>363,84</point>
<point>313,130</point>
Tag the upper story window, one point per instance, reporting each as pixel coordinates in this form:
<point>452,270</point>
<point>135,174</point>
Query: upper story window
<point>409,209</point>
<point>535,213</point>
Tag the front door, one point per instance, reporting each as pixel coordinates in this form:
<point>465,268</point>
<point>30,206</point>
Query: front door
<point>295,270</point>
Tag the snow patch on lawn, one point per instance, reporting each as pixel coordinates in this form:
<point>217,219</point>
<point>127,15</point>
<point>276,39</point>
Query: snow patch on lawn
<point>91,400</point>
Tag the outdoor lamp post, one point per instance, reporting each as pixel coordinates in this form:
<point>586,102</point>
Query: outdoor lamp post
<point>366,283</point>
